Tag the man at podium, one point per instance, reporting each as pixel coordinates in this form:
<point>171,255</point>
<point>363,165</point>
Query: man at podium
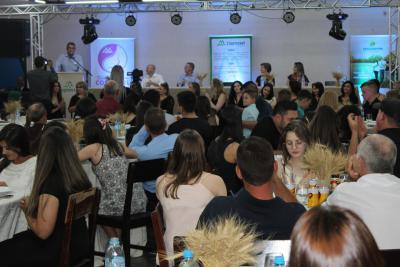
<point>69,62</point>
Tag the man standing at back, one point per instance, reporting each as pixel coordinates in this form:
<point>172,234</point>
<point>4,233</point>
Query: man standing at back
<point>264,201</point>
<point>69,62</point>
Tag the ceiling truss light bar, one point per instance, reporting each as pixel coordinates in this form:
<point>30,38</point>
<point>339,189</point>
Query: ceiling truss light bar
<point>88,2</point>
<point>40,1</point>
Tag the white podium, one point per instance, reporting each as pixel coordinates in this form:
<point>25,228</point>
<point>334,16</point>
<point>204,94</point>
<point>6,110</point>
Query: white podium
<point>68,81</point>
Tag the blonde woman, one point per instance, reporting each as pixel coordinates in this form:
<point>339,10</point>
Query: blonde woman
<point>330,99</point>
<point>117,75</point>
<point>217,97</point>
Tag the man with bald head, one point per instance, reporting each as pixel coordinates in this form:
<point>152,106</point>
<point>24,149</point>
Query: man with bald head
<point>151,79</point>
<point>375,196</point>
<point>108,104</point>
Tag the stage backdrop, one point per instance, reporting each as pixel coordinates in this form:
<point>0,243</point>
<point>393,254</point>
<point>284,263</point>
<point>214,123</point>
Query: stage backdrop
<point>369,58</point>
<point>108,52</point>
<point>231,57</point>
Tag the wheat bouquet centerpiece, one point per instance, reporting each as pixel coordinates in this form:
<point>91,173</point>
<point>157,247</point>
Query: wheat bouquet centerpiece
<point>75,130</point>
<point>337,76</point>
<point>323,162</point>
<point>226,242</point>
<point>11,107</point>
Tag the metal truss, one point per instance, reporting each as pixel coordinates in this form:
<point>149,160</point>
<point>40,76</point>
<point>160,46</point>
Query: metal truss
<point>187,6</point>
<point>394,42</point>
<point>36,23</point>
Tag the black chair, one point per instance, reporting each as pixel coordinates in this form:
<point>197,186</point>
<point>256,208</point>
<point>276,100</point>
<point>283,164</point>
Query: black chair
<point>391,257</point>
<point>138,172</point>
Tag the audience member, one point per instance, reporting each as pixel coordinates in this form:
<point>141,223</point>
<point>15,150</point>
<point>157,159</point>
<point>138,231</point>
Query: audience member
<point>141,110</point>
<point>250,113</point>
<point>57,102</point>
<point>395,93</point>
<point>108,105</point>
<point>217,95</point>
<point>186,188</point>
<point>17,168</point>
<point>167,101</point>
<point>348,94</point>
<point>304,99</point>
<point>264,202</point>
<point>36,118</point>
<point>317,91</point>
<point>117,75</point>
<point>85,107</point>
<point>159,146</point>
<point>129,109</point>
<point>294,142</point>
<point>236,94</point>
<point>344,128</point>
<point>194,87</point>
<point>298,74</point>
<point>267,93</point>
<point>153,96</point>
<point>221,153</point>
<point>81,92</point>
<point>110,166</point>
<point>324,128</point>
<point>266,76</point>
<point>284,95</point>
<point>263,107</point>
<point>295,88</point>
<point>58,174</point>
<point>332,236</point>
<point>189,120</point>
<point>270,128</point>
<point>152,79</point>
<point>371,100</point>
<point>330,99</point>
<point>374,196</point>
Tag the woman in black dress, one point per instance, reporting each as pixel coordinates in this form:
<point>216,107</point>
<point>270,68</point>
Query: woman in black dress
<point>235,94</point>
<point>58,174</point>
<point>167,101</point>
<point>81,92</point>
<point>57,102</point>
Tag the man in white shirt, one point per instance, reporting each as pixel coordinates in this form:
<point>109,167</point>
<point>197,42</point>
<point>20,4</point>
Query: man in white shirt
<point>152,79</point>
<point>375,196</point>
<point>69,62</point>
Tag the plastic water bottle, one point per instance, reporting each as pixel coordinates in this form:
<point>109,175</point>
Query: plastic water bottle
<point>18,117</point>
<point>279,261</point>
<point>114,254</point>
<point>188,259</point>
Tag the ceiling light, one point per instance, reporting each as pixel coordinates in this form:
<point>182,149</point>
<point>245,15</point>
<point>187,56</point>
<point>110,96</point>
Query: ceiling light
<point>89,30</point>
<point>176,19</point>
<point>130,20</point>
<point>336,30</point>
<point>288,17</point>
<point>235,18</point>
<point>40,1</point>
<point>89,2</point>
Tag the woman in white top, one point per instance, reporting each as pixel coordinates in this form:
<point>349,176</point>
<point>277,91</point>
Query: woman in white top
<point>185,189</point>
<point>294,142</point>
<point>17,168</point>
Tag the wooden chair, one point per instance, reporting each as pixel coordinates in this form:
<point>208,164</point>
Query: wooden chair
<point>85,203</point>
<point>159,230</point>
<point>138,171</point>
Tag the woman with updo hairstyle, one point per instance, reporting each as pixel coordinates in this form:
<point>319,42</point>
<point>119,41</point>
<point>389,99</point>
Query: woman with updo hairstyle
<point>186,188</point>
<point>329,236</point>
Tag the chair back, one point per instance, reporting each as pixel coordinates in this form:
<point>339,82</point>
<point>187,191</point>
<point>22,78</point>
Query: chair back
<point>157,221</point>
<point>81,204</point>
<point>391,257</point>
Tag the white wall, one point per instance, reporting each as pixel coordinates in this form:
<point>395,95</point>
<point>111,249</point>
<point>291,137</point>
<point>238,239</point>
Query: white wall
<point>169,46</point>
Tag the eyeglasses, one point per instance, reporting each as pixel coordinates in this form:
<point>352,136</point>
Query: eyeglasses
<point>297,143</point>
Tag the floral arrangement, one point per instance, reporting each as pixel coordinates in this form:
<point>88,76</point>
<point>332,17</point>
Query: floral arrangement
<point>322,161</point>
<point>75,130</point>
<point>227,242</point>
<point>337,76</point>
<point>119,116</point>
<point>12,107</point>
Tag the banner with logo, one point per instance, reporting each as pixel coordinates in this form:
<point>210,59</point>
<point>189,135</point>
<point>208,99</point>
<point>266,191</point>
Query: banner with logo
<point>369,58</point>
<point>108,52</point>
<point>231,57</point>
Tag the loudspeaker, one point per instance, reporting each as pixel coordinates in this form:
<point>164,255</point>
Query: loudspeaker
<point>15,38</point>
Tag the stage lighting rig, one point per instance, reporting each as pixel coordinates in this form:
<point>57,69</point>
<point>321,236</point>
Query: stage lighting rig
<point>336,30</point>
<point>130,20</point>
<point>235,17</point>
<point>288,17</point>
<point>176,19</point>
<point>89,30</point>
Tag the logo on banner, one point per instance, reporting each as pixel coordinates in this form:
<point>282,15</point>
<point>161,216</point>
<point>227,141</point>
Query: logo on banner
<point>111,55</point>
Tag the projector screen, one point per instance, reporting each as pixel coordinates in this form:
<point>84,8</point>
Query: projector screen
<point>231,57</point>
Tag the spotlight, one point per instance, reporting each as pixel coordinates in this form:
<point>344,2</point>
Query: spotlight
<point>235,18</point>
<point>130,20</point>
<point>336,30</point>
<point>89,30</point>
<point>176,19</point>
<point>288,17</point>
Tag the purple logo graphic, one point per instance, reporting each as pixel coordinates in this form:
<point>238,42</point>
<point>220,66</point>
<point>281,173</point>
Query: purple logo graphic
<point>111,55</point>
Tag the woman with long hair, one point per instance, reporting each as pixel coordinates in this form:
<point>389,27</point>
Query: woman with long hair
<point>110,166</point>
<point>117,75</point>
<point>328,236</point>
<point>236,94</point>
<point>348,94</point>
<point>267,93</point>
<point>195,88</point>
<point>81,92</point>
<point>58,174</point>
<point>317,90</point>
<point>298,74</point>
<point>17,168</point>
<point>330,99</point>
<point>324,128</point>
<point>294,142</point>
<point>57,102</point>
<point>186,188</point>
<point>217,95</point>
<point>221,153</point>
<point>167,102</point>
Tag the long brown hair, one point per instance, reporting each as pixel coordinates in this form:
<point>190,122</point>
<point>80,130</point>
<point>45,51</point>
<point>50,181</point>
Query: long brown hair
<point>57,156</point>
<point>301,131</point>
<point>187,161</point>
<point>331,236</point>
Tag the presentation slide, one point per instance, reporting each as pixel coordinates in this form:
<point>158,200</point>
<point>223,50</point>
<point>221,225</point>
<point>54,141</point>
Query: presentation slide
<point>108,52</point>
<point>231,57</point>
